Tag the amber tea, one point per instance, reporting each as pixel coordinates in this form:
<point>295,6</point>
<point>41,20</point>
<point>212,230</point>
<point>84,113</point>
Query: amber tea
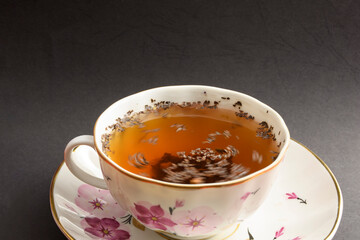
<point>191,143</point>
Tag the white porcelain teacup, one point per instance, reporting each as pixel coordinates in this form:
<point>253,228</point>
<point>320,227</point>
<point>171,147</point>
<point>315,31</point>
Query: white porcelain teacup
<point>181,211</point>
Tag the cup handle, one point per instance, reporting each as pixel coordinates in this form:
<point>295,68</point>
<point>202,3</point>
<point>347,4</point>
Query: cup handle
<point>84,164</point>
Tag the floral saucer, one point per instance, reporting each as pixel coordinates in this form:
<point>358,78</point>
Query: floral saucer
<point>306,203</point>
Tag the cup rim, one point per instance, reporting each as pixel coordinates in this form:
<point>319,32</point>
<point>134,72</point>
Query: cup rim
<point>241,180</point>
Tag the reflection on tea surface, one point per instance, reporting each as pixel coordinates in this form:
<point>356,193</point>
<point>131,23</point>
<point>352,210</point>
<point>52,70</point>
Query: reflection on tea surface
<point>191,143</point>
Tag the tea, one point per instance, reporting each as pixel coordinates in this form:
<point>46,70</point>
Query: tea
<point>191,143</point>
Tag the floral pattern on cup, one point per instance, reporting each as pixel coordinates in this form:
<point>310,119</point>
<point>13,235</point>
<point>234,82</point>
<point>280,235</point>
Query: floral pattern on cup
<point>153,216</point>
<point>98,202</point>
<point>102,217</point>
<point>178,204</point>
<point>197,221</point>
<point>247,194</point>
<point>104,228</point>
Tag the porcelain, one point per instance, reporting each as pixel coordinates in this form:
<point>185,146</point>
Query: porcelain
<point>306,203</point>
<point>206,209</point>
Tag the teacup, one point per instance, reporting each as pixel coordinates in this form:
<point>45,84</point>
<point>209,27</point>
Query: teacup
<point>181,211</point>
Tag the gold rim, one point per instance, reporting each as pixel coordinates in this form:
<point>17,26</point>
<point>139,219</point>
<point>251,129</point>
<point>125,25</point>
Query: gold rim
<point>52,205</point>
<point>334,228</point>
<point>274,164</point>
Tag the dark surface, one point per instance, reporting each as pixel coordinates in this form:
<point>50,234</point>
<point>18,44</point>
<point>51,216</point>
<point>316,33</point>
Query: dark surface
<point>62,64</point>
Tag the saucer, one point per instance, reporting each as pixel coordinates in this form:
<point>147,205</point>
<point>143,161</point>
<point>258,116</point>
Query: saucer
<point>305,203</point>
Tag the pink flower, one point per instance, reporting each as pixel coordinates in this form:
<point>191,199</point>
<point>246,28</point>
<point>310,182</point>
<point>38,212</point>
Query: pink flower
<point>292,196</point>
<point>297,238</point>
<point>105,228</point>
<point>200,220</point>
<point>179,203</point>
<point>279,233</point>
<point>98,202</point>
<point>245,196</point>
<point>153,216</point>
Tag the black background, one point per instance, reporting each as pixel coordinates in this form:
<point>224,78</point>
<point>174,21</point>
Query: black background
<point>62,63</point>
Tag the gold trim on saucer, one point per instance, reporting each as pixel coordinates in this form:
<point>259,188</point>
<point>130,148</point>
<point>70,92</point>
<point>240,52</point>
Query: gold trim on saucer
<point>338,191</point>
<point>334,228</point>
<point>52,205</point>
